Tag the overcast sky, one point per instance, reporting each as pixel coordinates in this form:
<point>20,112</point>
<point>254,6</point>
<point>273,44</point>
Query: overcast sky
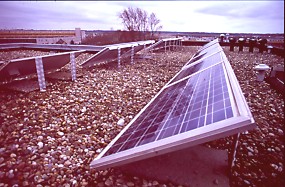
<point>189,16</point>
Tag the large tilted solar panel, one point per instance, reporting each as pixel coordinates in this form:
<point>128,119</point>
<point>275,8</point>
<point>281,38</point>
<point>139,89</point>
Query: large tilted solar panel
<point>203,102</point>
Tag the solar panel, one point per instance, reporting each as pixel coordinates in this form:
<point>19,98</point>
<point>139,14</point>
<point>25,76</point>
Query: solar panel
<point>52,46</point>
<point>202,102</point>
<point>164,43</point>
<point>110,52</point>
<point>27,66</point>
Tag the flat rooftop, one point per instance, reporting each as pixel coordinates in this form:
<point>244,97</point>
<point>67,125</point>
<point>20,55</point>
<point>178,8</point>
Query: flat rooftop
<point>50,138</point>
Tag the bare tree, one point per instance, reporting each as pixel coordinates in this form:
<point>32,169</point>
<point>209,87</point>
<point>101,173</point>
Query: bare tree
<point>137,21</point>
<point>132,18</point>
<point>142,20</point>
<point>153,22</point>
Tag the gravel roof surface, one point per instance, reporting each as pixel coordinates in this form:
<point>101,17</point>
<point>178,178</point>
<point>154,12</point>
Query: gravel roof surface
<point>50,138</point>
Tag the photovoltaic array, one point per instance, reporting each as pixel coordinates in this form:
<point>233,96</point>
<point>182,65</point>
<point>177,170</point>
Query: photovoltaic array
<point>202,102</point>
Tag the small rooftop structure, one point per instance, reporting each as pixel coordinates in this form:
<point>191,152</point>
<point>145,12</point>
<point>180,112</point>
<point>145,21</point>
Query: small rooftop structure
<point>261,68</point>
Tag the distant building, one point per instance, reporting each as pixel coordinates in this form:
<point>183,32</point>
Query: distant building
<point>43,36</point>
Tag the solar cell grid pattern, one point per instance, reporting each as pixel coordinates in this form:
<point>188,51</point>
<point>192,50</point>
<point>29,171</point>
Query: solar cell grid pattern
<point>203,64</point>
<point>200,100</point>
<point>205,53</point>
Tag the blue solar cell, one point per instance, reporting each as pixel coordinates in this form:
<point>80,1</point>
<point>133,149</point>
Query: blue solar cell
<point>229,112</point>
<point>219,115</point>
